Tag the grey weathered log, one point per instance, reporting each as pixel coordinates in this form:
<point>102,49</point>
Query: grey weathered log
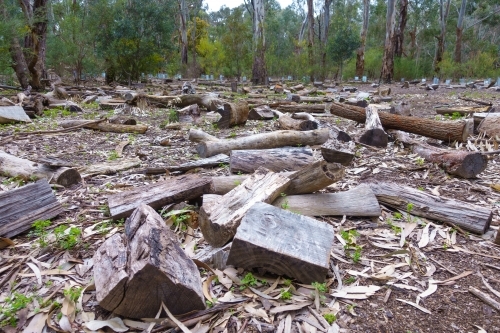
<point>201,163</point>
<point>197,135</point>
<point>277,159</point>
<point>463,214</point>
<point>264,140</point>
<point>123,120</point>
<point>374,134</point>
<point>261,112</point>
<point>134,273</point>
<point>309,108</point>
<point>20,207</point>
<point>462,110</point>
<point>336,151</point>
<point>281,242</point>
<point>232,114</point>
<point>106,127</point>
<point>219,222</point>
<point>157,195</point>
<point>360,201</point>
<point>109,167</point>
<point>189,114</point>
<point>13,114</point>
<point>216,257</point>
<point>288,123</point>
<point>489,125</point>
<point>209,101</point>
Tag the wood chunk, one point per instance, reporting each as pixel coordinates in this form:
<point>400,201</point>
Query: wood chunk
<point>288,123</point>
<point>233,114</point>
<point>216,257</point>
<point>336,151</point>
<point>219,225</point>
<point>490,125</point>
<point>278,159</point>
<point>13,114</point>
<point>106,127</point>
<point>261,112</point>
<point>21,207</point>
<point>283,243</point>
<point>374,134</point>
<point>463,214</point>
<point>123,120</point>
<point>360,201</point>
<point>134,273</point>
<point>158,195</point>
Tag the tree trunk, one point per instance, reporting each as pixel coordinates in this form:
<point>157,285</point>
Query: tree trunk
<point>360,52</point>
<point>259,71</point>
<point>183,31</point>
<point>324,36</point>
<point>276,160</point>
<point>443,16</point>
<point>374,134</point>
<point>310,38</point>
<point>387,74</point>
<point>19,63</point>
<point>459,30</point>
<point>399,37</point>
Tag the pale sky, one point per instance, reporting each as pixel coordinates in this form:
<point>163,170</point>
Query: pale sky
<point>214,5</point>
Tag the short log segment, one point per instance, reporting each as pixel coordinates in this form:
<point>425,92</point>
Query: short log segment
<point>196,135</point>
<point>288,123</point>
<point>274,139</point>
<point>233,114</point>
<point>446,131</point>
<point>261,112</point>
<point>374,134</point>
<point>14,166</point>
<point>490,125</point>
<point>106,127</point>
<point>219,222</point>
<point>134,273</point>
<point>158,195</point>
<point>309,108</point>
<point>336,151</point>
<point>469,217</point>
<point>21,207</point>
<point>278,159</point>
<point>208,101</point>
<point>275,240</point>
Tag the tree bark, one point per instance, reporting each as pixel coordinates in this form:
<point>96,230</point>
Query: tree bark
<point>387,74</point>
<point>336,151</point>
<point>374,134</point>
<point>440,44</point>
<point>19,63</point>
<point>360,52</point>
<point>459,31</point>
<point>259,71</point>
<point>183,12</point>
<point>233,114</point>
<point>261,112</point>
<point>399,36</point>
<point>310,38</point>
<point>324,35</point>
<point>276,160</point>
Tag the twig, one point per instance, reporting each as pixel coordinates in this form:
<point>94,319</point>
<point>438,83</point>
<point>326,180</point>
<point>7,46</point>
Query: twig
<point>491,266</point>
<point>456,227</point>
<point>443,266</point>
<point>475,101</point>
<point>485,298</point>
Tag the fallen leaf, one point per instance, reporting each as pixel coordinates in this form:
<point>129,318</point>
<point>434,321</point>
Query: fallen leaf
<point>37,323</point>
<point>462,275</point>
<point>424,239</point>
<point>5,242</point>
<point>431,289</point>
<point>291,307</point>
<point>35,269</point>
<point>415,305</point>
<point>65,324</point>
<point>116,324</point>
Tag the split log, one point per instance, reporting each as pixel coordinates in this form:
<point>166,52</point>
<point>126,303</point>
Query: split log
<point>261,112</point>
<point>220,223</point>
<point>490,125</point>
<point>135,273</point>
<point>106,127</point>
<point>307,92</point>
<point>196,135</point>
<point>462,110</point>
<point>158,195</point>
<point>337,151</point>
<point>208,101</point>
<point>274,240</point>
<point>201,163</point>
<point>109,168</point>
<point>274,139</point>
<point>215,257</point>
<point>276,160</point>
<point>463,214</point>
<point>374,134</point>
<point>13,166</point>
<point>446,131</point>
<point>233,114</point>
<point>309,108</point>
<point>122,120</point>
<point>12,114</point>
<point>360,201</point>
<point>21,207</point>
<point>288,123</point>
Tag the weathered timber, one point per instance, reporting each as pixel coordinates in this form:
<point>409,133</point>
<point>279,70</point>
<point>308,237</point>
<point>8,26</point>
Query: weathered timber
<point>197,135</point>
<point>337,151</point>
<point>233,114</point>
<point>110,167</point>
<point>374,134</point>
<point>14,166</point>
<point>307,92</point>
<point>475,101</point>
<point>307,99</point>
<point>446,131</point>
<point>106,127</point>
<point>189,114</point>
<point>216,257</point>
<point>12,114</point>
<point>463,214</point>
<point>220,223</point>
<point>490,125</point>
<point>274,139</point>
<point>158,195</point>
<point>208,101</point>
<point>261,112</point>
<point>201,163</point>
<point>123,120</point>
<point>462,110</point>
<point>21,207</point>
<point>309,108</point>
<point>360,201</point>
<point>288,123</point>
<point>277,159</point>
<point>134,273</point>
<point>274,240</point>
<point>478,118</point>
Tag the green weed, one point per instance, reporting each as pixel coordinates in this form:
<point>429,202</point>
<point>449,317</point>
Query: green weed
<point>248,281</point>
<point>40,232</point>
<point>67,239</point>
<point>113,155</point>
<point>11,306</point>
<point>330,318</point>
<point>285,295</point>
<point>73,293</point>
<point>351,248</point>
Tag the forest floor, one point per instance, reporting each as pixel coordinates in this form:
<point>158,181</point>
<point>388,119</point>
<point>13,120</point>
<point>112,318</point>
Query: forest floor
<point>449,307</point>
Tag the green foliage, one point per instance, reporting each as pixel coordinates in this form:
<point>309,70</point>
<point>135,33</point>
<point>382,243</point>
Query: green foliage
<point>287,282</point>
<point>73,293</point>
<point>342,45</point>
<point>248,281</point>
<point>419,161</point>
<point>350,280</point>
<point>67,238</point>
<point>113,155</point>
<point>11,305</point>
<point>330,318</point>
<point>40,231</point>
<point>285,295</point>
<point>320,287</point>
<point>351,248</point>
<point>173,116</point>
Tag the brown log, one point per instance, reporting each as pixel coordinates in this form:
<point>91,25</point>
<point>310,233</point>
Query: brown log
<point>136,272</point>
<point>233,114</point>
<point>261,112</point>
<point>264,140</point>
<point>60,93</point>
<point>463,214</point>
<point>274,240</point>
<point>278,159</point>
<point>374,134</point>
<point>309,108</point>
<point>297,87</point>
<point>446,131</point>
<point>208,101</point>
<point>106,127</point>
<point>21,207</point>
<point>336,151</point>
<point>123,120</point>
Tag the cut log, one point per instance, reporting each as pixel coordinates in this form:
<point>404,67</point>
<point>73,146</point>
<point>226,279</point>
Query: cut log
<point>13,166</point>
<point>475,101</point>
<point>462,110</point>
<point>109,168</point>
<point>463,214</point>
<point>158,195</point>
<point>446,131</point>
<point>307,99</point>
<point>274,240</point>
<point>478,118</point>
<point>216,257</point>
<point>233,114</point>
<point>278,159</point>
<point>360,201</point>
<point>297,87</point>
<point>224,184</point>
<point>208,101</point>
<point>220,223</point>
<point>123,120</point>
<point>336,151</point>
<point>196,135</point>
<point>261,112</point>
<point>201,163</point>
<point>21,207</point>
<point>189,114</point>
<point>374,134</point>
<point>106,127</point>
<point>307,92</point>
<point>135,273</point>
<point>13,114</point>
<point>274,139</point>
<point>314,177</point>
<point>60,93</point>
<point>309,108</point>
<point>490,125</point>
<point>288,123</point>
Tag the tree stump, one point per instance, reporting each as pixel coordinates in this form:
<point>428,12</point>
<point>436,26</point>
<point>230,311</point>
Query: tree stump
<point>233,114</point>
<point>374,134</point>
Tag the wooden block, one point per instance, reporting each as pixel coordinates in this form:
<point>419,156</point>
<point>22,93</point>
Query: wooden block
<point>21,207</point>
<point>336,151</point>
<point>159,194</point>
<point>12,114</point>
<point>284,243</point>
<point>278,159</point>
<point>134,273</point>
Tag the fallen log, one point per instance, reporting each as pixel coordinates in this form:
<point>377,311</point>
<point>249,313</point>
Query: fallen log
<point>197,135</point>
<point>106,127</point>
<point>201,163</point>
<point>21,207</point>
<point>463,214</point>
<point>158,195</point>
<point>276,160</point>
<point>13,166</point>
<point>309,108</point>
<point>13,114</point>
<point>274,240</point>
<point>109,168</point>
<point>189,114</point>
<point>123,120</point>
<point>462,110</point>
<point>478,118</point>
<point>264,140</point>
<point>208,101</point>
<point>261,112</point>
<point>232,114</point>
<point>446,131</point>
<point>337,151</point>
<point>148,251</point>
<point>374,134</point>
<point>490,125</point>
<point>475,101</point>
<point>300,124</point>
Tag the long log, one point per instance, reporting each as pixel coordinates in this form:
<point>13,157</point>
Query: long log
<point>441,130</point>
<point>208,101</point>
<point>264,140</point>
<point>106,127</point>
<point>462,110</point>
<point>463,214</point>
<point>201,163</point>
<point>309,108</point>
<point>277,159</point>
<point>233,114</point>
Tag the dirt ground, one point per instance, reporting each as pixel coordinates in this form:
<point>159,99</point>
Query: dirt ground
<point>451,253</point>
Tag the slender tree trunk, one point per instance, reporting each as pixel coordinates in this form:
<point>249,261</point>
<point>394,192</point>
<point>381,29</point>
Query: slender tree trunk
<point>259,72</point>
<point>19,63</point>
<point>324,36</point>
<point>360,52</point>
<point>399,38</point>
<point>413,42</point>
<point>183,27</point>
<point>444,9</point>
<point>310,37</point>
<point>460,27</point>
<point>388,59</point>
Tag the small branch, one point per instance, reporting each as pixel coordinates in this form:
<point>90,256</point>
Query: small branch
<point>485,298</point>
